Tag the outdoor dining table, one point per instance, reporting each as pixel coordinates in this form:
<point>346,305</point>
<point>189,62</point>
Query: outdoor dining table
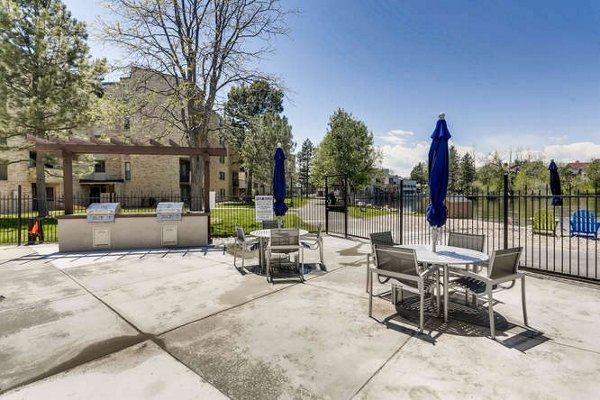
<point>447,257</point>
<point>263,235</point>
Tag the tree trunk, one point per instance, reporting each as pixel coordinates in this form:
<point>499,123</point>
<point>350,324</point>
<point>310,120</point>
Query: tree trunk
<point>249,189</point>
<point>197,187</point>
<point>40,185</point>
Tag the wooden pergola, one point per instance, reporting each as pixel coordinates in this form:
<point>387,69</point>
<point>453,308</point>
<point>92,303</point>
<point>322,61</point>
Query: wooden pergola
<point>68,149</point>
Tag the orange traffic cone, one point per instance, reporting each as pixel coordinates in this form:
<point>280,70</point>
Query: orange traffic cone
<point>35,230</point>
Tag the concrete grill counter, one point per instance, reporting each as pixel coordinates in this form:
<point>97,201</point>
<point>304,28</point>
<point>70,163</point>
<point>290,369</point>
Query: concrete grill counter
<point>105,227</point>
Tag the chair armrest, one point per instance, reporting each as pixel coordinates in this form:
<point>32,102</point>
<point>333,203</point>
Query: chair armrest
<point>508,278</point>
<point>390,274</point>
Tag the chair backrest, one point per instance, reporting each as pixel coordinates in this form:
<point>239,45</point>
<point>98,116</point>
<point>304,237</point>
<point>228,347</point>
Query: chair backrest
<point>584,221</point>
<point>466,241</point>
<point>270,224</point>
<point>394,259</point>
<point>381,238</point>
<point>285,237</point>
<point>239,233</point>
<point>504,262</point>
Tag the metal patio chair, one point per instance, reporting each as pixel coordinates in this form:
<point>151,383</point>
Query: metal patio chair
<point>314,242</point>
<point>245,243</point>
<point>503,268</point>
<point>401,265</point>
<point>284,244</point>
<point>378,239</point>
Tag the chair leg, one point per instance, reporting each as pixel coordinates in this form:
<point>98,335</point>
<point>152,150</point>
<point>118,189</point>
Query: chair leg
<point>438,292</point>
<point>370,286</point>
<point>321,254</point>
<point>491,311</point>
<point>523,300</point>
<point>243,254</point>
<point>369,276</point>
<point>235,249</point>
<point>421,307</point>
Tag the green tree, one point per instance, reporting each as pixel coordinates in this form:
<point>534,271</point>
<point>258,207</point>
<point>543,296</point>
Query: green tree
<point>200,48</point>
<point>305,158</point>
<point>490,176</point>
<point>454,170</point>
<point>419,174</point>
<point>532,175</point>
<point>346,149</point>
<point>245,103</point>
<point>48,84</point>
<point>467,173</point>
<point>592,173</point>
<point>264,133</point>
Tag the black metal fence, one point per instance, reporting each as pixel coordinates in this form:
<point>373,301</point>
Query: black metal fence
<point>526,219</point>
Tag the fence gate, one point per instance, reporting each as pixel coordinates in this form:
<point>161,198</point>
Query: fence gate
<point>336,204</point>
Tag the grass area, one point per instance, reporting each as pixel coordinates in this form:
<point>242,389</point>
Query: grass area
<point>223,221</point>
<point>367,212</point>
<point>9,230</point>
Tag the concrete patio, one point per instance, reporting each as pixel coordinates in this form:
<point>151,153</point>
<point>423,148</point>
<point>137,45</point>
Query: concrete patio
<point>184,324</point>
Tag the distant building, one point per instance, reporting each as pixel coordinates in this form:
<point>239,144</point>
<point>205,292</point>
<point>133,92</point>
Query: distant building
<point>144,176</point>
<point>577,167</point>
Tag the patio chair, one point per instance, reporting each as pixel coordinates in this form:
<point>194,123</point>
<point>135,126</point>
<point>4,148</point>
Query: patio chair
<point>270,224</point>
<point>503,267</point>
<point>314,242</point>
<point>245,243</point>
<point>378,239</point>
<point>284,244</point>
<point>467,241</point>
<point>401,265</point>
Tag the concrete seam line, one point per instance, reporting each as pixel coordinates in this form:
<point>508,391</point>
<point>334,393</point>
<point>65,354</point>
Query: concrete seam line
<point>227,309</point>
<point>381,367</point>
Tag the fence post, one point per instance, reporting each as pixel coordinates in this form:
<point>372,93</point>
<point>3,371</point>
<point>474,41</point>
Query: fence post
<point>19,215</point>
<point>506,210</point>
<point>401,211</point>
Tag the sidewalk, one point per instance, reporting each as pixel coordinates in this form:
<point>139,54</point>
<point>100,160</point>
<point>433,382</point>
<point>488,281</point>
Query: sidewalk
<point>154,324</point>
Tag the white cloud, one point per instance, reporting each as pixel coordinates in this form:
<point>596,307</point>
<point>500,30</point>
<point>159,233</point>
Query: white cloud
<point>401,154</point>
<point>396,136</point>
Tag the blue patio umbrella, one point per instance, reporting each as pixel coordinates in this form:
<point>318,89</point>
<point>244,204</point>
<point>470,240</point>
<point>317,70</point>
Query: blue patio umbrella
<point>279,182</point>
<point>555,184</point>
<point>438,164</point>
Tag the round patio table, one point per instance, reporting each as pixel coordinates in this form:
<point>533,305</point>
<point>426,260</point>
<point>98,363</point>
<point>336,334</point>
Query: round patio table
<point>446,257</point>
<point>263,235</point>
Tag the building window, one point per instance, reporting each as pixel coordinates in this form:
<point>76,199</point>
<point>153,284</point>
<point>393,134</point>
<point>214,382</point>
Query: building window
<point>222,193</point>
<point>222,176</point>
<point>100,166</point>
<point>222,159</point>
<point>3,172</point>
<point>127,171</point>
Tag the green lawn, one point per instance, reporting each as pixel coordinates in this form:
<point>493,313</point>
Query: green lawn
<point>223,221</point>
<point>367,212</point>
<point>9,229</point>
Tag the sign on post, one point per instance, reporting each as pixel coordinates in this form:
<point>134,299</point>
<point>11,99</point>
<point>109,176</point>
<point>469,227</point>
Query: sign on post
<point>264,207</point>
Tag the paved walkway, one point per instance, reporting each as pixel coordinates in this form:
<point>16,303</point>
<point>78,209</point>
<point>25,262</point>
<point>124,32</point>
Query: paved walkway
<point>184,324</point>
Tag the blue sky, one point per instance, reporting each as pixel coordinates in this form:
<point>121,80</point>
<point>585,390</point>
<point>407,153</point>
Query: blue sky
<point>520,76</point>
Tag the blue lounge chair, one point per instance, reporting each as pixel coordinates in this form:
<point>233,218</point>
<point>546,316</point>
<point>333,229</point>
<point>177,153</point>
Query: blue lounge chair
<point>584,224</point>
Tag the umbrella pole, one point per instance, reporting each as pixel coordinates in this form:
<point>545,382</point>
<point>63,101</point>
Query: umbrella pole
<point>434,237</point>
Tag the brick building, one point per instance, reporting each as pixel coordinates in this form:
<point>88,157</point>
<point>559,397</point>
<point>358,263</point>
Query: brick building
<point>144,177</point>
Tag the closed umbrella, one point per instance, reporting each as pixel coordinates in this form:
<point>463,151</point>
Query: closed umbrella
<point>438,164</point>
<point>556,189</point>
<point>555,184</point>
<point>279,184</point>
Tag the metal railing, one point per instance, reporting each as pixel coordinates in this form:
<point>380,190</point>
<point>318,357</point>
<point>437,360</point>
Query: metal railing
<point>526,219</point>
